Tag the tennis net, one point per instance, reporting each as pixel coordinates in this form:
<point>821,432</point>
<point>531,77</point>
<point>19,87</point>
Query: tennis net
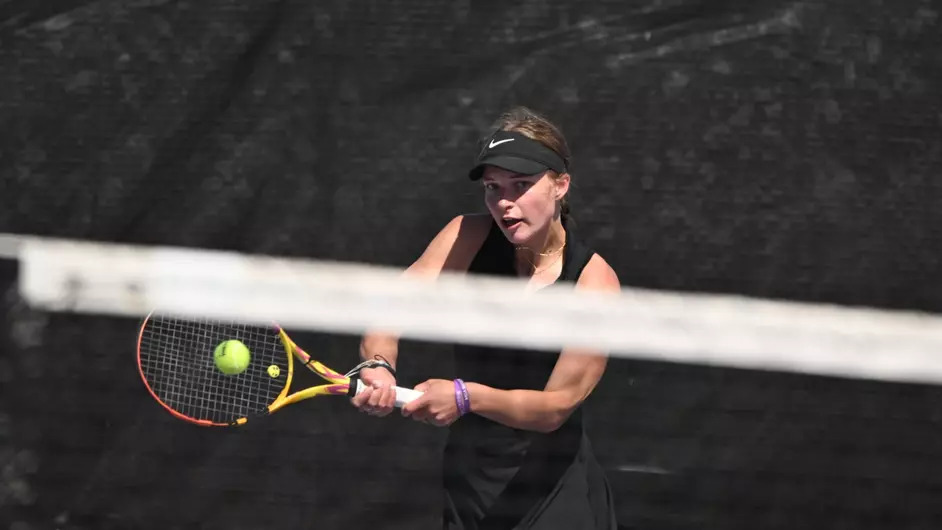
<point>729,331</point>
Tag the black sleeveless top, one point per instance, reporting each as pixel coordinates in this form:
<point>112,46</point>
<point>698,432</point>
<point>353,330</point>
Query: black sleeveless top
<point>498,477</point>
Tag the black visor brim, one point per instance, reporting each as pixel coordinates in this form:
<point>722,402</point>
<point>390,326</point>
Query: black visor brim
<point>519,165</point>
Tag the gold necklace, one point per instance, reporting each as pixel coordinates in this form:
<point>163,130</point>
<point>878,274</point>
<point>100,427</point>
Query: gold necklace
<point>550,264</point>
<point>558,253</point>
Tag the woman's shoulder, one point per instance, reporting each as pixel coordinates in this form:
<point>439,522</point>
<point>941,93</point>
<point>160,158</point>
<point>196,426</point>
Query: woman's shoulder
<point>467,229</point>
<point>455,245</point>
<point>470,232</point>
<point>598,275</point>
<point>478,223</point>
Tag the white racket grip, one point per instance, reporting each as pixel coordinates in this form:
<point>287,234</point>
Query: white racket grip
<point>403,395</point>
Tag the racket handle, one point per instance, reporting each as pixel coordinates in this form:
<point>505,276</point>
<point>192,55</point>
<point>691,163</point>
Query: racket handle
<point>403,395</point>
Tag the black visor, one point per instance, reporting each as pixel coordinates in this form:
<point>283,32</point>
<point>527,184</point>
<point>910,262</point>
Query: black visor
<point>516,152</point>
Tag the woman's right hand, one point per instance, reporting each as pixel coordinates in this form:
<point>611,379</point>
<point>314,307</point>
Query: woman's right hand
<point>379,396</point>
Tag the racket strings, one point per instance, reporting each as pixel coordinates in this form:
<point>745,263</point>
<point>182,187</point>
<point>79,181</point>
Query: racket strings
<point>176,359</point>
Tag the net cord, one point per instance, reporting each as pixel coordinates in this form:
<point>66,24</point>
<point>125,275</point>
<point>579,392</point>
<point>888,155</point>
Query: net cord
<point>721,330</point>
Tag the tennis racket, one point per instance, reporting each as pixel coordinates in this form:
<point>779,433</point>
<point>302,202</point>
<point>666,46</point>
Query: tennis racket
<point>175,360</point>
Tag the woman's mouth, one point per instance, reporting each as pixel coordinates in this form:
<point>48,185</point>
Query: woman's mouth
<point>511,222</point>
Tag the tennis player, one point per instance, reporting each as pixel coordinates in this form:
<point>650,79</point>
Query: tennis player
<point>517,455</point>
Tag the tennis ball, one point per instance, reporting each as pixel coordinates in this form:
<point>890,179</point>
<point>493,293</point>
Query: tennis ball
<point>232,357</point>
<point>274,371</point>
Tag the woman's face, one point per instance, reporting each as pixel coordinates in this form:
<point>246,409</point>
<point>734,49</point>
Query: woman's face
<point>522,205</point>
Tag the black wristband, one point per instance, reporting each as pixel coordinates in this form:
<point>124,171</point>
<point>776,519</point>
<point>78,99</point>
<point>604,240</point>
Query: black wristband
<point>381,363</point>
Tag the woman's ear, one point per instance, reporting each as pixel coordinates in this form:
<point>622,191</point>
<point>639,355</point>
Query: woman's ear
<point>562,185</point>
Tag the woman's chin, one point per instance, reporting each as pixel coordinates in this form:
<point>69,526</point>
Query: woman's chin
<point>518,235</point>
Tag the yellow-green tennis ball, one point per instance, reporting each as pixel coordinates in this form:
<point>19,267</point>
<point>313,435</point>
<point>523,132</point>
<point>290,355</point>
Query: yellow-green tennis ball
<point>232,357</point>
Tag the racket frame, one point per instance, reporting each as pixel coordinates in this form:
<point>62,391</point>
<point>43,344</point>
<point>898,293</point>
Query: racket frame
<point>338,384</point>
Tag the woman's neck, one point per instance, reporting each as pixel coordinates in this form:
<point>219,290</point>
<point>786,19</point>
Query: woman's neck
<point>543,250</point>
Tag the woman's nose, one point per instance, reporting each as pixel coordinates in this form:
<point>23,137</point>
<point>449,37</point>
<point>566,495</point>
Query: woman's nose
<point>505,202</point>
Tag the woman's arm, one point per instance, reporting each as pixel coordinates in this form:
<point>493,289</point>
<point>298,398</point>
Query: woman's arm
<point>574,377</point>
<point>451,249</point>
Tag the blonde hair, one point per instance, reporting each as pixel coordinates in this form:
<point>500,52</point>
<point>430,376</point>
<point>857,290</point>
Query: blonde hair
<point>538,128</point>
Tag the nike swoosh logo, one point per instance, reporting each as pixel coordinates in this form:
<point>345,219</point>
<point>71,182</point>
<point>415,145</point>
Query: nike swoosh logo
<point>494,144</point>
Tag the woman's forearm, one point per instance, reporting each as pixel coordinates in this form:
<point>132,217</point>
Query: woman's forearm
<point>386,346</point>
<point>532,410</point>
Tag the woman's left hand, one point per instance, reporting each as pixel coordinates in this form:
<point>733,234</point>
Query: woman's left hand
<point>436,406</point>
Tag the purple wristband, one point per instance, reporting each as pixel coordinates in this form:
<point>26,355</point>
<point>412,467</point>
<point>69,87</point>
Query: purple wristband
<point>462,398</point>
<point>459,399</point>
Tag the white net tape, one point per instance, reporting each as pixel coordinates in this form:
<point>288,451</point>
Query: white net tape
<point>61,275</point>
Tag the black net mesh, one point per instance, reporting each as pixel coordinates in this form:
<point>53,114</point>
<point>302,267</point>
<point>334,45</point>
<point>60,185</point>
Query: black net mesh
<point>769,148</point>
